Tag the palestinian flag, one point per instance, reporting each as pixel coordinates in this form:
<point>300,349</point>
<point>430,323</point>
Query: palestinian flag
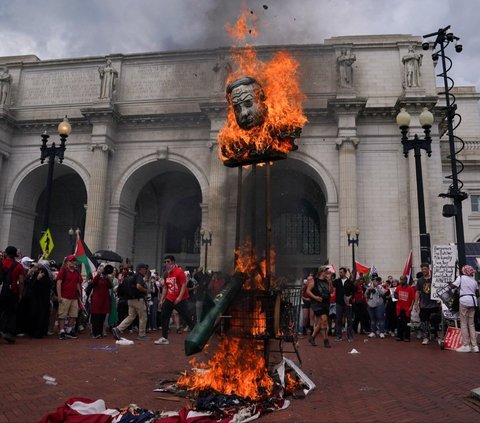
<point>82,257</point>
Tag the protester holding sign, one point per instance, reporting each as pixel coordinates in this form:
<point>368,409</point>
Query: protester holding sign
<point>468,287</point>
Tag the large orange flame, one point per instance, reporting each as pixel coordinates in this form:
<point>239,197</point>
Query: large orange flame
<point>236,368</point>
<point>279,79</point>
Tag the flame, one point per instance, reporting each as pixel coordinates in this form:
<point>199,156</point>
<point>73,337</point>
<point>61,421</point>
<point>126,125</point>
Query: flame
<point>254,268</point>
<point>279,79</point>
<point>236,368</point>
<point>240,30</point>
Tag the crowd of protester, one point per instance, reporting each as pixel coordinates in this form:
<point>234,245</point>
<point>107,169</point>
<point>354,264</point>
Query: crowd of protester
<point>368,305</point>
<point>46,299</point>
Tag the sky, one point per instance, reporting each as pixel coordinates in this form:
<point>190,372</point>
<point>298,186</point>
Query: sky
<point>52,29</point>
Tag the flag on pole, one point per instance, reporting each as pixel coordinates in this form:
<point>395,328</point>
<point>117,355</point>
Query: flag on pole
<point>82,257</point>
<point>361,268</point>
<point>407,269</point>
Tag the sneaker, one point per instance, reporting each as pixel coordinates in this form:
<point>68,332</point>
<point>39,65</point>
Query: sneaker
<point>463,348</point>
<point>311,339</point>
<point>62,336</point>
<point>179,330</point>
<point>116,333</point>
<point>326,343</point>
<point>338,339</point>
<point>425,341</point>
<point>372,335</point>
<point>382,335</point>
<point>71,335</point>
<point>96,336</point>
<point>143,338</point>
<point>475,348</point>
<point>161,341</point>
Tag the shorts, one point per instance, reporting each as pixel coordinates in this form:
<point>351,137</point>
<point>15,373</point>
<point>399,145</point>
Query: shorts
<point>306,304</point>
<point>321,310</point>
<point>68,308</point>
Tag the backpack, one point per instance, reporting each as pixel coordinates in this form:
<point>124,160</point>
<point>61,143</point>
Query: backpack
<point>130,287</point>
<point>6,279</point>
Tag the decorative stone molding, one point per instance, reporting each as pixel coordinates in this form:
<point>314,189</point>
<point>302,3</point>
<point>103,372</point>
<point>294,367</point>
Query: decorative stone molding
<point>341,141</point>
<point>162,153</point>
<point>103,146</point>
<point>188,120</point>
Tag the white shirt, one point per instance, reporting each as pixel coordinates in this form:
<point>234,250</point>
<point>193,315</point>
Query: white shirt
<point>467,285</point>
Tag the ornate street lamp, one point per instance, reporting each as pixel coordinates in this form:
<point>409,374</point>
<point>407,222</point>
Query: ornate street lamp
<point>71,234</point>
<point>417,144</point>
<point>353,241</point>
<point>50,152</point>
<point>206,241</point>
<point>443,37</point>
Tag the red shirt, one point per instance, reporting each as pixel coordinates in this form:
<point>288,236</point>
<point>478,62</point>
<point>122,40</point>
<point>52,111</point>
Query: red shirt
<point>406,296</point>
<point>16,273</point>
<point>174,281</point>
<point>71,279</point>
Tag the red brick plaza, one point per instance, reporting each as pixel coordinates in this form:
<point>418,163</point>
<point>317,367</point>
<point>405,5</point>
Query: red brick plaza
<point>387,381</point>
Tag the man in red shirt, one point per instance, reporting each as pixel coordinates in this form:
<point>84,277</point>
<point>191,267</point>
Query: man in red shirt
<point>174,294</point>
<point>14,276</point>
<point>406,297</point>
<point>69,290</point>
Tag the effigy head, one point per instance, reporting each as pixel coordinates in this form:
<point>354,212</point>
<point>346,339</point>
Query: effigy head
<point>247,99</point>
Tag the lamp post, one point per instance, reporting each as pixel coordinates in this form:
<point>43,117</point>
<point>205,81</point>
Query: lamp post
<point>417,144</point>
<point>206,241</point>
<point>71,233</point>
<point>50,152</point>
<point>353,241</point>
<point>443,37</point>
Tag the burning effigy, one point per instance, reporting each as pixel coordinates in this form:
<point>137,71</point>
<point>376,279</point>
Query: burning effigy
<point>265,112</point>
<point>264,118</point>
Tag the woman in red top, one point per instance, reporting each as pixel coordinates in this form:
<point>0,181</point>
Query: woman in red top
<point>405,295</point>
<point>100,300</point>
<point>359,304</point>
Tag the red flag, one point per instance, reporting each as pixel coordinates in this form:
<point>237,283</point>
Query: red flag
<point>361,268</point>
<point>407,269</point>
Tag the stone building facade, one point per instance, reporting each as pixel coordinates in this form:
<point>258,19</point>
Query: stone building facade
<point>142,176</point>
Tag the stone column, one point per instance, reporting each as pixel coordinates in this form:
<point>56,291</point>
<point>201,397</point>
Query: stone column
<point>347,196</point>
<point>217,209</point>
<point>215,206</point>
<point>103,118</point>
<point>96,197</point>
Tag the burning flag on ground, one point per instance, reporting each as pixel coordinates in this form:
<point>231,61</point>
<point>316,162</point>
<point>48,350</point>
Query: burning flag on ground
<point>235,382</point>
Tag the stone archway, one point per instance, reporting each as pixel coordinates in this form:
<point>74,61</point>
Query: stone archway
<point>67,210</point>
<point>299,215</point>
<point>160,213</point>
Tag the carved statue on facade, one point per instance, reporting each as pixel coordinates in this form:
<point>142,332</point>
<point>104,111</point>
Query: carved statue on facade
<point>108,74</point>
<point>345,68</point>
<point>247,98</point>
<point>5,83</point>
<point>411,64</point>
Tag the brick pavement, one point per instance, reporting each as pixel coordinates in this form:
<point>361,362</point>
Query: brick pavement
<point>388,381</point>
